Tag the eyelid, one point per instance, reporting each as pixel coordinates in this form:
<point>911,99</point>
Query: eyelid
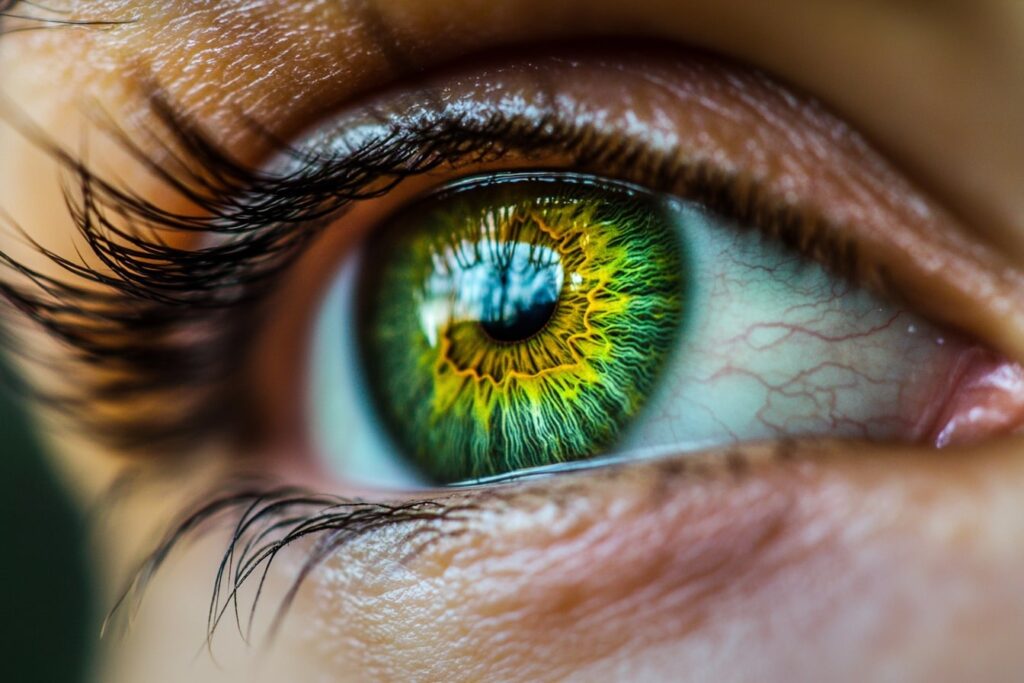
<point>685,123</point>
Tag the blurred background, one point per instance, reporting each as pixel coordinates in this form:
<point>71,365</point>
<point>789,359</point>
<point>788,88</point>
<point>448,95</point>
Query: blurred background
<point>48,619</point>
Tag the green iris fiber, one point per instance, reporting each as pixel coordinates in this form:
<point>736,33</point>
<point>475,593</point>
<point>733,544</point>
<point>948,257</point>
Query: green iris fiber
<point>520,320</point>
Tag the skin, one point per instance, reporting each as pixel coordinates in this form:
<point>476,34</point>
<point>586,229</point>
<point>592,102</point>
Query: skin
<point>810,562</point>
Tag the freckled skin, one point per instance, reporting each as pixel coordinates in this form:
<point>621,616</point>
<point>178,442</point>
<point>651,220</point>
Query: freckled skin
<point>824,563</point>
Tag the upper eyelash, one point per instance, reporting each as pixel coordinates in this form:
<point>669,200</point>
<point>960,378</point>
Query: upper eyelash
<point>158,289</point>
<point>150,291</point>
<point>20,10</point>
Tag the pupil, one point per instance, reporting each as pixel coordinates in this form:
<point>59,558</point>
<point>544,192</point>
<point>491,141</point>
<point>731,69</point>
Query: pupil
<point>522,322</point>
<point>523,283</point>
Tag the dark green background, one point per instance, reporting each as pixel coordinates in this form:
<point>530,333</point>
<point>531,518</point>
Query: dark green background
<point>47,616</point>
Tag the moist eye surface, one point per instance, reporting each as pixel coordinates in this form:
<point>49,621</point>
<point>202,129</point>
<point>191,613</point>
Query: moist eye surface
<point>519,321</point>
<point>514,322</point>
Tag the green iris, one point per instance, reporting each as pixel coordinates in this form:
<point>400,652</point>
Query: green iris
<point>519,320</point>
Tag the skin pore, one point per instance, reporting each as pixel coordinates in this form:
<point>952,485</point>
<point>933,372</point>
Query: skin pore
<point>787,562</point>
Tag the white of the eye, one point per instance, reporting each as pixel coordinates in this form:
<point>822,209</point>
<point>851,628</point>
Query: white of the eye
<point>777,346</point>
<point>349,436</point>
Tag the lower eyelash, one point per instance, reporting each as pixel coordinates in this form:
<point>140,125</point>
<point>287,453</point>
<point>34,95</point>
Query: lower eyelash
<point>272,518</point>
<point>267,518</point>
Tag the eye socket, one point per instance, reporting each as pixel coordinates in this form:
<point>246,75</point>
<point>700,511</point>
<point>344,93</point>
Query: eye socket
<point>781,334</point>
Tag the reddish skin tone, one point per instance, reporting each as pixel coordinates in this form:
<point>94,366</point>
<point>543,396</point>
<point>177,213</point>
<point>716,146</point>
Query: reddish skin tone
<point>818,562</point>
<point>984,391</point>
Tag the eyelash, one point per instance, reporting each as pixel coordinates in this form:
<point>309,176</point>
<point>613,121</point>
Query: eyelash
<point>190,302</point>
<point>267,520</point>
<point>14,10</point>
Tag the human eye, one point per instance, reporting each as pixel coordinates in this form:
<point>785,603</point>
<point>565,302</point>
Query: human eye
<point>525,340</point>
<point>524,320</point>
<point>531,318</point>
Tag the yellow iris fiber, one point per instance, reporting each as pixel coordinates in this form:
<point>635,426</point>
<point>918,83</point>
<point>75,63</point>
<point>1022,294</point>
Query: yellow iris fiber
<point>473,374</point>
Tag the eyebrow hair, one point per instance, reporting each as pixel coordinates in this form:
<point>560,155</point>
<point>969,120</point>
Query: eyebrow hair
<point>30,15</point>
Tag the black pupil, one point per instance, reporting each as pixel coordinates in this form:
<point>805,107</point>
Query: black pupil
<point>521,298</point>
<point>521,324</point>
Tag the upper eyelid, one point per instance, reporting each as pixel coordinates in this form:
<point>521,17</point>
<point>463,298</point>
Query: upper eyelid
<point>345,58</point>
<point>897,224</point>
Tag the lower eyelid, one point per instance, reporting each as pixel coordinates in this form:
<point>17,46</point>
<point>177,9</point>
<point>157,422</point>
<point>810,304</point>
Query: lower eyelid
<point>422,534</point>
<point>678,545</point>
